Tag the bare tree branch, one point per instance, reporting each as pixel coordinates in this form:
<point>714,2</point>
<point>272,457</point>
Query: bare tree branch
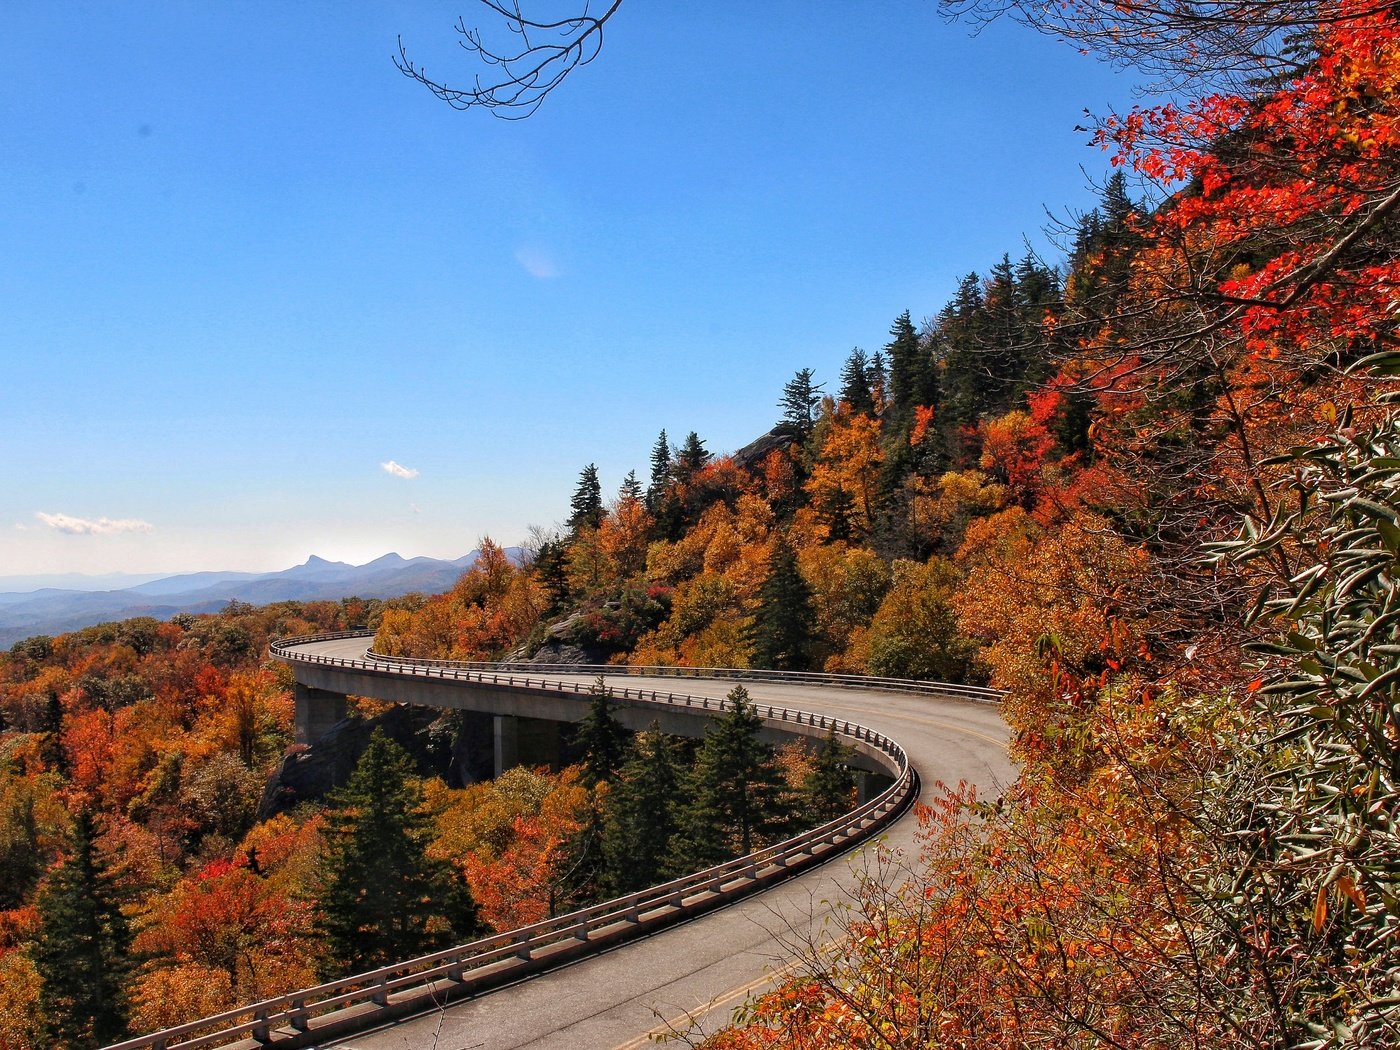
<point>543,55</point>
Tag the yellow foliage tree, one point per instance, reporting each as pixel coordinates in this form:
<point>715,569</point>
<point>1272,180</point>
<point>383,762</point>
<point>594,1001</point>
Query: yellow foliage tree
<point>847,584</point>
<point>1056,617</point>
<point>941,509</point>
<point>848,467</point>
<point>19,1003</point>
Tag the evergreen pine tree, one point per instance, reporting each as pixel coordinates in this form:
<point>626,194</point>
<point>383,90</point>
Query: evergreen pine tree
<point>582,878</point>
<point>80,952</point>
<point>1100,263</point>
<point>631,488</point>
<point>1116,204</point>
<point>586,506</point>
<point>1038,294</point>
<point>604,742</point>
<point>878,378</point>
<point>828,789</point>
<point>891,533</point>
<point>1004,347</point>
<point>799,403</point>
<point>835,513</point>
<point>51,735</point>
<point>692,456</point>
<point>1037,288</point>
<point>640,815</point>
<point>660,473</point>
<point>736,792</point>
<point>383,898</point>
<point>601,737</point>
<point>960,340</point>
<point>551,568</point>
<point>911,370</point>
<point>783,629</point>
<point>855,383</point>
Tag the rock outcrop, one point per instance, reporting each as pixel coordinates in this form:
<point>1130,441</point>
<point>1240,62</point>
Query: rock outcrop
<point>455,745</point>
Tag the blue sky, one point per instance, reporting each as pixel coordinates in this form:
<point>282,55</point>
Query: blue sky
<point>248,263</point>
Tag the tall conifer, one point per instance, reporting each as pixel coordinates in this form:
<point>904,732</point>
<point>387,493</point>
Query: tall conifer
<point>855,383</point>
<point>660,472</point>
<point>692,456</point>
<point>586,506</point>
<point>631,488</point>
<point>384,899</point>
<point>784,626</point>
<point>640,815</point>
<point>80,952</point>
<point>828,790</point>
<point>601,736</point>
<point>799,404</point>
<point>736,792</point>
<point>911,370</point>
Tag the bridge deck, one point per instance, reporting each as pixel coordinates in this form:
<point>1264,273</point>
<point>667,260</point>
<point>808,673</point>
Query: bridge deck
<point>703,967</point>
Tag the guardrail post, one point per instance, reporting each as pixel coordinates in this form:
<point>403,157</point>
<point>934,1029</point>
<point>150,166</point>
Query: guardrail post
<point>301,1018</point>
<point>260,1033</point>
<point>381,992</point>
<point>523,951</point>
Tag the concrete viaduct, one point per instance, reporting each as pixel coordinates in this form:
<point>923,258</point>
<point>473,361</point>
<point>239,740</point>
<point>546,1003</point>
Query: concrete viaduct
<point>718,938</point>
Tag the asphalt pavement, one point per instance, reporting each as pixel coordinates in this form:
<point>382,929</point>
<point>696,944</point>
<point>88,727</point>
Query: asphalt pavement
<point>700,971</point>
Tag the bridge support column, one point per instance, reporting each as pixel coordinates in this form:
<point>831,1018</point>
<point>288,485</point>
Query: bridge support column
<point>868,785</point>
<point>525,742</point>
<point>864,788</point>
<point>316,711</point>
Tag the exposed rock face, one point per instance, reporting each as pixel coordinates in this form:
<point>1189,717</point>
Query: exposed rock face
<point>455,745</point>
<point>564,643</point>
<point>557,651</point>
<point>752,455</point>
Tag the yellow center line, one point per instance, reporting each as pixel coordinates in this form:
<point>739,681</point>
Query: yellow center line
<point>724,998</point>
<point>949,725</point>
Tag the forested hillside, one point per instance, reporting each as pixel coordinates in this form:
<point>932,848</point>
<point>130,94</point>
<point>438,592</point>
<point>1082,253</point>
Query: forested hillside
<point>1152,494</point>
<point>158,865</point>
<point>1149,489</point>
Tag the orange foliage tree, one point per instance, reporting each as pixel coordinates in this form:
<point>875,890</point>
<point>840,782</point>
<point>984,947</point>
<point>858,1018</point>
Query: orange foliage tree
<point>230,936</point>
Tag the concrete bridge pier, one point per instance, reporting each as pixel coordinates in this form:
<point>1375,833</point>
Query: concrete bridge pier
<point>523,741</point>
<point>316,711</point>
<point>869,785</point>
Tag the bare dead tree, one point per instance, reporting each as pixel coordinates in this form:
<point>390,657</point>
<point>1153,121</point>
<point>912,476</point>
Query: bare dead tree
<point>542,54</point>
<point>1203,44</point>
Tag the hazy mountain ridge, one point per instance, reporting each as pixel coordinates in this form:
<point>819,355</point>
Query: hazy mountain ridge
<point>53,610</point>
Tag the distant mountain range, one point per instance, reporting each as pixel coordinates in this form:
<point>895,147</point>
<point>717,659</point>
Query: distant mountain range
<point>54,609</point>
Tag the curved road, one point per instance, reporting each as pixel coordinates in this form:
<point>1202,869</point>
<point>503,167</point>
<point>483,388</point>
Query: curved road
<point>704,968</point>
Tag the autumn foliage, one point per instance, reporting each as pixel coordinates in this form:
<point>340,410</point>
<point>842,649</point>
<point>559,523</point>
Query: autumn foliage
<point>1149,493</point>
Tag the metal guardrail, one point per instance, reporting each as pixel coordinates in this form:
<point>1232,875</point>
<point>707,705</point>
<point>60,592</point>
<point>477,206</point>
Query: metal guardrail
<point>363,1000</point>
<point>977,693</point>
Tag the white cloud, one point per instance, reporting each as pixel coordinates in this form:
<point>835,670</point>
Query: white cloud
<point>85,527</point>
<point>537,262</point>
<point>397,470</point>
